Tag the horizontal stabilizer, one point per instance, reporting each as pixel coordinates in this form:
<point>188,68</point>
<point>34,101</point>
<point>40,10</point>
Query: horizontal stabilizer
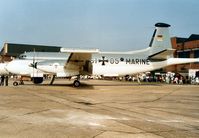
<point>162,55</point>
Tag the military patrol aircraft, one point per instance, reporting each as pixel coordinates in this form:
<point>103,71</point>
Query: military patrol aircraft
<point>159,54</point>
<point>78,62</point>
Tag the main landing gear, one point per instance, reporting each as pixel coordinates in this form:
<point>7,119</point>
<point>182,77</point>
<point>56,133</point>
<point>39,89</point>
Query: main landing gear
<point>76,83</point>
<point>52,79</point>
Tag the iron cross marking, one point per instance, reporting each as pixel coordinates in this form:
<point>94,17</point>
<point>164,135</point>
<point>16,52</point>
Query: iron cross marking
<point>103,60</point>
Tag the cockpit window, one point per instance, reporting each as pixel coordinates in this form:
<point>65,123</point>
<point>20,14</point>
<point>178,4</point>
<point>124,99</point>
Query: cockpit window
<point>22,56</point>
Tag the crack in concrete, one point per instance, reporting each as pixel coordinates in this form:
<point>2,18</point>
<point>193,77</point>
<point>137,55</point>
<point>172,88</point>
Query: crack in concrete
<point>29,113</point>
<point>99,134</point>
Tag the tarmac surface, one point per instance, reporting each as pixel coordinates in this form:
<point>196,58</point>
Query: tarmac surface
<point>99,109</point>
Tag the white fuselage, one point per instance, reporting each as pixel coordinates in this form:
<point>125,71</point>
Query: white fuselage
<point>106,64</point>
<point>113,65</point>
<point>22,67</point>
<point>128,68</point>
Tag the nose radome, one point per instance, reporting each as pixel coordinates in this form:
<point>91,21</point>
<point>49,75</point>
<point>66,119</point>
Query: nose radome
<point>10,67</point>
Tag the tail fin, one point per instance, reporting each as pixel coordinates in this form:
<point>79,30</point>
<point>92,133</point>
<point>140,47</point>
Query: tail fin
<point>160,42</point>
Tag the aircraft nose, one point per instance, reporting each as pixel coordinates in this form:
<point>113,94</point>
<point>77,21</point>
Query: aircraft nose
<point>10,67</point>
<point>3,70</point>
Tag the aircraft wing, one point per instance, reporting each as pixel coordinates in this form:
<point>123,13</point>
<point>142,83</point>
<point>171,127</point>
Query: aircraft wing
<point>79,60</point>
<point>162,55</point>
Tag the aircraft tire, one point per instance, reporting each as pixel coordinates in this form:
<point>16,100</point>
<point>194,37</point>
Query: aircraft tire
<point>76,83</point>
<point>15,83</point>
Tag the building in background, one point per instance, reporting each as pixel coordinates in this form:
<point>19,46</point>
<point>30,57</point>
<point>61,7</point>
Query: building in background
<point>185,48</point>
<point>11,50</point>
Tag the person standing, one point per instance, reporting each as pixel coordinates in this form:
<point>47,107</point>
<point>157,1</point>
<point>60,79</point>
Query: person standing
<point>181,80</point>
<point>2,80</point>
<point>6,81</point>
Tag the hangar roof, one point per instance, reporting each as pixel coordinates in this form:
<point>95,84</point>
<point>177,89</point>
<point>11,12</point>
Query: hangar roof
<point>193,37</point>
<point>12,49</point>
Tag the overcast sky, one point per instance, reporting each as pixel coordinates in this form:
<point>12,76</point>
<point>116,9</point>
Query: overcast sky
<point>110,25</point>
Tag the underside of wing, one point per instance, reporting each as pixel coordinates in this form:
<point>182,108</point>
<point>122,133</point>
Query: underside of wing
<point>80,60</point>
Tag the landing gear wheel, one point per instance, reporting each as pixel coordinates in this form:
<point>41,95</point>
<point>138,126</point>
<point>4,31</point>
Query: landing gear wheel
<point>15,83</point>
<point>76,83</point>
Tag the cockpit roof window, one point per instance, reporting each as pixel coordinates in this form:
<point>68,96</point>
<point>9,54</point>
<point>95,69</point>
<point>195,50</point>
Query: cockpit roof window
<point>22,56</point>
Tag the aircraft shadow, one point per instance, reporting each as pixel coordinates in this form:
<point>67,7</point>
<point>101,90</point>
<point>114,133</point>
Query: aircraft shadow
<point>119,85</point>
<point>92,85</point>
<point>83,85</point>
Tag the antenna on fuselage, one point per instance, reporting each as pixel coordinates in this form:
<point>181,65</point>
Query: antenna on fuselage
<point>33,62</point>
